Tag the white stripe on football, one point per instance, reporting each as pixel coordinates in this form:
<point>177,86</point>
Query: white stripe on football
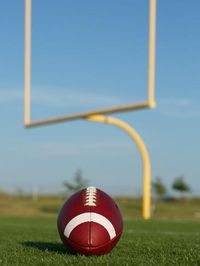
<point>90,217</point>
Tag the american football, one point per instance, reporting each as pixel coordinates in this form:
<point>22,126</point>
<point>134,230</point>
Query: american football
<point>90,222</point>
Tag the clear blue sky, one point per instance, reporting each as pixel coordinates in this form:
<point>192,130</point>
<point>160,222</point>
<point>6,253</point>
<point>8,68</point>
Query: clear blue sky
<point>88,54</point>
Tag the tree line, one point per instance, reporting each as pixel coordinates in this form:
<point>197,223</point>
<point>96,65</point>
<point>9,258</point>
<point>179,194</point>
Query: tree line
<point>178,185</point>
<point>159,189</point>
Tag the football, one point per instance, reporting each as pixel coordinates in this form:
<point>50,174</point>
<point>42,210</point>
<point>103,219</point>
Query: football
<point>90,222</point>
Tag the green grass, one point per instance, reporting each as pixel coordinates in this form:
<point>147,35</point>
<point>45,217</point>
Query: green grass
<point>28,234</point>
<point>35,241</point>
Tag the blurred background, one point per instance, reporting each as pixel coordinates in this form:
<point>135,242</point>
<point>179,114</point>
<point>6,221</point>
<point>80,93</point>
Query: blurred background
<point>88,55</point>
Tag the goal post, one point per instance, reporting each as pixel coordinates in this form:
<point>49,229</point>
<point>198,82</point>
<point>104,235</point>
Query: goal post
<point>149,103</point>
<point>100,114</point>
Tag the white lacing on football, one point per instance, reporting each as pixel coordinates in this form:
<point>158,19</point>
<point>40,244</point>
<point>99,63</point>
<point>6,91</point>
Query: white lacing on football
<point>91,196</point>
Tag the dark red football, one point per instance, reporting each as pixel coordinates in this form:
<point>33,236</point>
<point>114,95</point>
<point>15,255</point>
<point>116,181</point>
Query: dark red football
<point>90,222</point>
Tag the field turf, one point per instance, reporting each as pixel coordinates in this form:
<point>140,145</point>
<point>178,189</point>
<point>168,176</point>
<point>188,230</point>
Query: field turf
<point>35,241</point>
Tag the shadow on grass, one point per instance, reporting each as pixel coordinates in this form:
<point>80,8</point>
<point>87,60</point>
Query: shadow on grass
<point>48,246</point>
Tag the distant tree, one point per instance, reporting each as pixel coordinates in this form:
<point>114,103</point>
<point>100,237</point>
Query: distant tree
<point>159,188</point>
<point>180,185</point>
<point>79,183</point>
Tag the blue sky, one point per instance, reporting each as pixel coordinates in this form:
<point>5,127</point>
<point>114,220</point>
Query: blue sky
<point>90,54</point>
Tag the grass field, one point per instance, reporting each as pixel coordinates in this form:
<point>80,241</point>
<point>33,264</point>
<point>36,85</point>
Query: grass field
<point>28,235</point>
<point>35,241</point>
